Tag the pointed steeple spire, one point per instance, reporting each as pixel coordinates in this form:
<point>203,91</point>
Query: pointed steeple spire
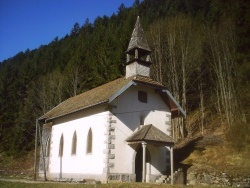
<point>138,41</point>
<point>138,48</point>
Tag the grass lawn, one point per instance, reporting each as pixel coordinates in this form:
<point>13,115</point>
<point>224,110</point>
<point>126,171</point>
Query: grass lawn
<point>31,184</point>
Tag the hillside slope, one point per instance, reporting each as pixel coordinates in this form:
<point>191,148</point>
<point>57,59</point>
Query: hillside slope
<point>212,159</point>
<point>210,155</point>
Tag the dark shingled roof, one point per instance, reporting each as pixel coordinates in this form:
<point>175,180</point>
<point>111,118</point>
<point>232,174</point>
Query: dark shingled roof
<point>138,41</point>
<point>149,133</point>
<point>96,96</point>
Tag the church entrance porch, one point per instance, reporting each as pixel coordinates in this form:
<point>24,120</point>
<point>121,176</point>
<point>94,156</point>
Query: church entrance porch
<point>139,164</point>
<point>143,138</point>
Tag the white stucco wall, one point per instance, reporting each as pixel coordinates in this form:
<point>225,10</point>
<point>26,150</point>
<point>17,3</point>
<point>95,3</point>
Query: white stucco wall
<point>81,163</point>
<point>128,111</point>
<point>137,69</point>
<point>125,119</point>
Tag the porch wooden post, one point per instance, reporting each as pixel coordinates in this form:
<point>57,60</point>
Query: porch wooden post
<point>144,144</point>
<point>172,164</point>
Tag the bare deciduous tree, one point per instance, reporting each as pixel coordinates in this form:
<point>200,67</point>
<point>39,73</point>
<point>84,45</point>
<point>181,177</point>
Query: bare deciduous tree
<point>222,50</point>
<point>177,50</point>
<point>50,91</point>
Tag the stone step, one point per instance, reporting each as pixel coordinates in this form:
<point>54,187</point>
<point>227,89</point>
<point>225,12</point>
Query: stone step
<point>163,179</point>
<point>167,179</point>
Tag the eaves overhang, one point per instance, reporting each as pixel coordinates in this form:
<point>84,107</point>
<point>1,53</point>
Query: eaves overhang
<point>47,119</point>
<point>134,83</point>
<point>120,91</point>
<point>179,108</point>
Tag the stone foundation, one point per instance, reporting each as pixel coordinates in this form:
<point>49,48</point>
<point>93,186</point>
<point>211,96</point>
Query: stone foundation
<point>76,177</point>
<point>217,179</point>
<point>117,177</point>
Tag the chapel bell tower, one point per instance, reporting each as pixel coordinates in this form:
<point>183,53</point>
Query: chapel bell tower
<point>138,60</point>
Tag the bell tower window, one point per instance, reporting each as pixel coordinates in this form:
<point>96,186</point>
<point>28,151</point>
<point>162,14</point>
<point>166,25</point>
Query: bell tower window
<point>138,51</point>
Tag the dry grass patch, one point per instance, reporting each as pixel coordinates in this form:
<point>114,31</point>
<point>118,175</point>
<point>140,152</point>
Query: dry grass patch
<point>221,157</point>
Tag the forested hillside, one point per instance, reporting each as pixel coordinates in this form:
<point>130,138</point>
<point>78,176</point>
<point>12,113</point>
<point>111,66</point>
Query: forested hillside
<point>200,50</point>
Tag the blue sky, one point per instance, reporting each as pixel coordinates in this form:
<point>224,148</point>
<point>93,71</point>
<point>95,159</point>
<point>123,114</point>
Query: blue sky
<point>30,23</point>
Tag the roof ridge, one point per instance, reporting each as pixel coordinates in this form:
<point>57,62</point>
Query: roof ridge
<point>147,130</point>
<point>150,133</point>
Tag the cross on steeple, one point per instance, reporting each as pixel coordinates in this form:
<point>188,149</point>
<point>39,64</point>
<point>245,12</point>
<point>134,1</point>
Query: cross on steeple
<point>139,50</point>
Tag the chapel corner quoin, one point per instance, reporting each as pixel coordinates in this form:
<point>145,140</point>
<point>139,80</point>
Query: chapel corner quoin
<point>120,131</point>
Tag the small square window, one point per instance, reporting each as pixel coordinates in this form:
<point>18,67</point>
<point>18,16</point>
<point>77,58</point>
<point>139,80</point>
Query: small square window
<point>142,96</point>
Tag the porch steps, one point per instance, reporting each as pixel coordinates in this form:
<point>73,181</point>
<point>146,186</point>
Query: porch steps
<point>167,179</point>
<point>163,179</point>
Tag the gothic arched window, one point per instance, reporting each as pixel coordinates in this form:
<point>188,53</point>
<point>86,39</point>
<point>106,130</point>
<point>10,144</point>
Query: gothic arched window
<point>61,146</point>
<point>74,144</point>
<point>89,142</point>
<point>47,151</point>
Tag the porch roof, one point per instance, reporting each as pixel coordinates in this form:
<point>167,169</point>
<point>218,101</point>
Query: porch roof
<point>150,134</point>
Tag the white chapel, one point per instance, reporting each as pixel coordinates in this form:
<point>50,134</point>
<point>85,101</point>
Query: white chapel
<point>120,131</point>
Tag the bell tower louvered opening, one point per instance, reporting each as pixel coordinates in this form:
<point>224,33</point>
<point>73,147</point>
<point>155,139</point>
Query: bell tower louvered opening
<point>138,51</point>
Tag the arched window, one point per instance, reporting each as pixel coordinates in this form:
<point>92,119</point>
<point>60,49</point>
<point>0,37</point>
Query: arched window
<point>89,142</point>
<point>47,151</point>
<point>74,144</point>
<point>61,146</point>
<point>142,119</point>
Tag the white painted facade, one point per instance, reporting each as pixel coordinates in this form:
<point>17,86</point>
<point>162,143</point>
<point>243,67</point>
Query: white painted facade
<point>124,117</point>
<point>81,164</point>
<point>128,112</point>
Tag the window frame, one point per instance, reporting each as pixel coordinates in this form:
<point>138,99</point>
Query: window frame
<point>61,146</point>
<point>142,119</point>
<point>47,150</point>
<point>89,146</point>
<point>74,144</point>
<point>142,96</point>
